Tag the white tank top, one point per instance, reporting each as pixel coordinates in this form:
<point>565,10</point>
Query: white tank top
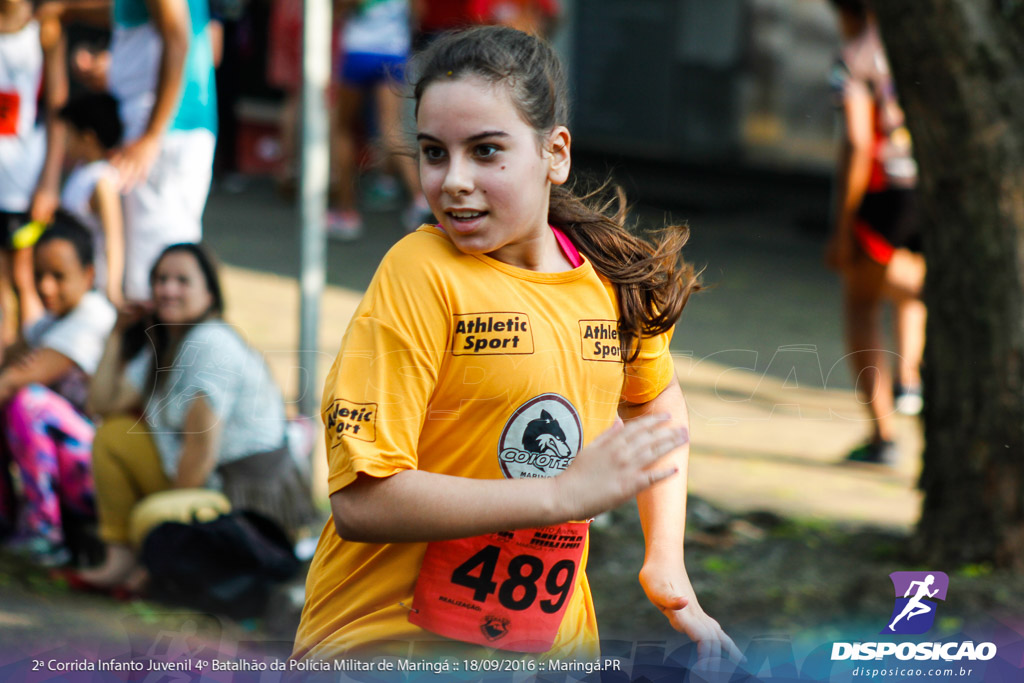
<point>22,142</point>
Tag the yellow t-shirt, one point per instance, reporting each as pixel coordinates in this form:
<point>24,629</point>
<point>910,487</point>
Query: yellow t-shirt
<point>447,367</point>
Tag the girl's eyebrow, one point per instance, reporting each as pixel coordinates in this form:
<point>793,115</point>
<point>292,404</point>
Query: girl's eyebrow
<point>471,139</point>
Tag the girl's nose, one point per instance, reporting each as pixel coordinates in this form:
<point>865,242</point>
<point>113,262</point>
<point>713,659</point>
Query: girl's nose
<point>457,179</point>
<point>45,285</point>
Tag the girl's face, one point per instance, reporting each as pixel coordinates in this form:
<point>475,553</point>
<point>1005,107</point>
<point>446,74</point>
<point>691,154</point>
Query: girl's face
<point>485,173</point>
<point>61,278</point>
<point>180,293</point>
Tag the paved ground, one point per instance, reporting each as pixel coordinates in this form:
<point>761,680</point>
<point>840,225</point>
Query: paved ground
<point>759,354</point>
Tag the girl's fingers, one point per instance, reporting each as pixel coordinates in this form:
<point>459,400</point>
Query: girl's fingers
<point>650,446</point>
<point>647,479</point>
<point>734,652</point>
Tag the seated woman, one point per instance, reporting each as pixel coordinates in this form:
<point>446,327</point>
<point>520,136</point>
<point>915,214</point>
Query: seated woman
<point>212,416</point>
<point>43,387</point>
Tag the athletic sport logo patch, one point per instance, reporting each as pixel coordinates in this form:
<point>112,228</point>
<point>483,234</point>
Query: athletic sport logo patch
<point>356,420</point>
<point>600,340</point>
<point>495,333</point>
<point>541,438</point>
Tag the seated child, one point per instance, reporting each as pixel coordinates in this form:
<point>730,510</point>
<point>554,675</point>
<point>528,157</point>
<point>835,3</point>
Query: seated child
<point>43,387</point>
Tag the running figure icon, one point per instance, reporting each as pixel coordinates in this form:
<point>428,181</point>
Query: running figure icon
<point>915,607</point>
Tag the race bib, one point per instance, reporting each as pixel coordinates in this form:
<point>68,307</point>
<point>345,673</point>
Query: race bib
<point>9,106</point>
<point>507,590</point>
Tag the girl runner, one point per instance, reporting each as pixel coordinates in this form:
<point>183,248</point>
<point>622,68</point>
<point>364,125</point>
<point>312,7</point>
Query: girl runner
<point>876,242</point>
<point>473,412</point>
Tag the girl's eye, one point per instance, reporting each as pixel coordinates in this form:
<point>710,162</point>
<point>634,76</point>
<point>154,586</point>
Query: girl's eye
<point>486,151</point>
<point>432,154</point>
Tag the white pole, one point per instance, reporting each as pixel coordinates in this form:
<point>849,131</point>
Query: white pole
<point>314,178</point>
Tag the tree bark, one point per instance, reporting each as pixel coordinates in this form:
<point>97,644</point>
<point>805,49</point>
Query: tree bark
<point>959,69</point>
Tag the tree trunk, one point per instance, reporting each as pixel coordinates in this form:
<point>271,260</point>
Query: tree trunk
<point>959,69</point>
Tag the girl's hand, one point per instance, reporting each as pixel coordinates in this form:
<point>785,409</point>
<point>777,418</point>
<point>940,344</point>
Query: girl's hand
<point>613,468</point>
<point>135,160</point>
<point>131,312</point>
<point>670,591</point>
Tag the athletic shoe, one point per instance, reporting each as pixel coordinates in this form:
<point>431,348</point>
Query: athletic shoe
<point>383,193</point>
<point>875,453</point>
<point>908,399</point>
<point>39,550</point>
<point>344,225</point>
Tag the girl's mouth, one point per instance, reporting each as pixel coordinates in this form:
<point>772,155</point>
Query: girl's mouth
<point>465,220</point>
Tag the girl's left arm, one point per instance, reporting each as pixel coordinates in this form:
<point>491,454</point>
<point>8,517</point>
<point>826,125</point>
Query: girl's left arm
<point>663,516</point>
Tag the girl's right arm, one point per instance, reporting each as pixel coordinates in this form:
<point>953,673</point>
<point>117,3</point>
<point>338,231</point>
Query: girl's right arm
<point>414,505</point>
<point>110,392</point>
<point>106,201</point>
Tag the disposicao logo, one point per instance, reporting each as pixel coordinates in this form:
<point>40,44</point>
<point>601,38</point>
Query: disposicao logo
<point>913,614</point>
<point>916,592</point>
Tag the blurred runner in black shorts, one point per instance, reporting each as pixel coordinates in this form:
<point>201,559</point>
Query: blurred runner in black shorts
<point>876,243</point>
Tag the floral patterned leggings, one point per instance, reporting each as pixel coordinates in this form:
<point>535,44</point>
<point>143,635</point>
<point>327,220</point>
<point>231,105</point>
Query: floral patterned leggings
<point>51,444</point>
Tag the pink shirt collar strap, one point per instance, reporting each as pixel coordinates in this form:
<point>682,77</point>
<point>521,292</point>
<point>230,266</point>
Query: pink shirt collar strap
<point>570,251</point>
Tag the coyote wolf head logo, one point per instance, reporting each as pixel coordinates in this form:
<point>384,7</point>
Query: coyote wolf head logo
<point>541,438</point>
<point>544,435</point>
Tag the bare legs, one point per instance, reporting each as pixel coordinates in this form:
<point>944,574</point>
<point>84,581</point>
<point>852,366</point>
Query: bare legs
<point>867,286</point>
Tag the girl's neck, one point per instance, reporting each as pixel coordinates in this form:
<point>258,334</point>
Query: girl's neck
<point>541,254</point>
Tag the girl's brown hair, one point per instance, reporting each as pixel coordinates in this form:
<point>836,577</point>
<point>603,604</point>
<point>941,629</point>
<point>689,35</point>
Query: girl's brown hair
<point>652,281</point>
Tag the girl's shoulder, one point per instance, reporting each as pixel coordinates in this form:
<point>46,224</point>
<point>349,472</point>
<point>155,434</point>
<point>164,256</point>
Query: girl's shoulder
<point>423,256</point>
<point>215,336</point>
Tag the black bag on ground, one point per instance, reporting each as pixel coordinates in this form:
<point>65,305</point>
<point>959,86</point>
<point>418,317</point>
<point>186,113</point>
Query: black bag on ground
<point>228,565</point>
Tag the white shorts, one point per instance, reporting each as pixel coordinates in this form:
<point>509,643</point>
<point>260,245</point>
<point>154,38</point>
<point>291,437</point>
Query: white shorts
<point>168,207</point>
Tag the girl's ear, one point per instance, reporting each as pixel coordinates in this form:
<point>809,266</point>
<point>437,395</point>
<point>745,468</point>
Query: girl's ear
<point>559,159</point>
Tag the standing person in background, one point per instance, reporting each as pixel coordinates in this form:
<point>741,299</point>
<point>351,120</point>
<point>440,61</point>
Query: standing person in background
<point>284,71</point>
<point>43,391</point>
<point>160,71</point>
<point>876,242</point>
<point>531,16</point>
<point>31,61</point>
<point>434,17</point>
<point>92,191</point>
<point>375,46</point>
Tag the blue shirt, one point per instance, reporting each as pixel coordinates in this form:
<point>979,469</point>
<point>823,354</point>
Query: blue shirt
<point>197,107</point>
